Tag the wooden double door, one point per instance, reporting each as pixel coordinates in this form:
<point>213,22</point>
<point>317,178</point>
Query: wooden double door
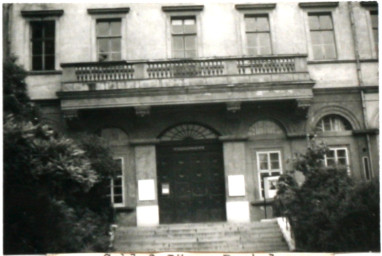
<point>191,184</point>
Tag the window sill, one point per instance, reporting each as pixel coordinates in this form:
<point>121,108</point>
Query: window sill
<point>45,72</point>
<point>123,209</point>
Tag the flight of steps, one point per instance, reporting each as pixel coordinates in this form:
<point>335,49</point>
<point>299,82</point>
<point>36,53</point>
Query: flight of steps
<point>202,237</point>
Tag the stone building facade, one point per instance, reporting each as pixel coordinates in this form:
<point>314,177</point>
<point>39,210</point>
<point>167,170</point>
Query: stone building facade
<point>204,105</point>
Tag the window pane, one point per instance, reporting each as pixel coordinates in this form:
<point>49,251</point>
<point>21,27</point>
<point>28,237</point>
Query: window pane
<point>115,45</point>
<point>49,62</point>
<point>330,52</point>
<point>177,43</point>
<point>115,28</point>
<point>313,22</point>
<point>37,47</point>
<point>374,20</point>
<point>177,26</point>
<point>342,161</point>
<point>274,156</point>
<point>117,182</point>
<point>118,199</point>
<point>318,54</point>
<point>49,28</point>
<point>117,191</point>
<point>190,42</point>
<point>250,24</point>
<point>189,26</point>
<point>177,54</point>
<point>330,154</point>
<point>252,40</point>
<point>115,56</point>
<point>103,45</point>
<point>265,43</point>
<point>330,162</point>
<point>341,153</point>
<point>325,22</point>
<point>49,47</point>
<point>275,165</point>
<point>316,37</point>
<point>37,28</point>
<point>37,62</point>
<point>102,28</point>
<point>262,24</point>
<point>190,54</point>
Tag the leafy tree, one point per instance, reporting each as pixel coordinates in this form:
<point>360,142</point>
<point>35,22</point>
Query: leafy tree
<point>54,187</point>
<point>329,211</point>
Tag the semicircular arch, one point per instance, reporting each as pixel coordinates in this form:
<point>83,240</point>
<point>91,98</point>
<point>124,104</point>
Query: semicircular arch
<point>267,126</point>
<point>188,131</point>
<point>334,110</point>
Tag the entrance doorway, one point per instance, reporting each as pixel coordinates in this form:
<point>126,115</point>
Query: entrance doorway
<point>191,184</point>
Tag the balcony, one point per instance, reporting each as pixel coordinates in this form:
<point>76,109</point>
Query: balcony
<point>184,81</point>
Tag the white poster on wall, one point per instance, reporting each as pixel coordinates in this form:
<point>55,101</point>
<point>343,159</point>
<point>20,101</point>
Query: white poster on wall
<point>146,190</point>
<point>236,185</point>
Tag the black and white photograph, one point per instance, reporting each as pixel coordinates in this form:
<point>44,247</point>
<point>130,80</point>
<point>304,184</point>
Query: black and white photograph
<point>194,127</point>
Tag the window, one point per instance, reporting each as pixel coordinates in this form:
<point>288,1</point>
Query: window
<point>258,35</point>
<point>43,44</point>
<point>183,34</point>
<point>374,26</point>
<point>108,39</point>
<point>268,165</point>
<point>265,127</point>
<point>366,167</point>
<point>116,185</point>
<point>337,157</point>
<point>333,123</point>
<point>322,36</point>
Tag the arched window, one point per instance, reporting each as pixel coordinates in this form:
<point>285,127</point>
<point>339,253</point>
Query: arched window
<point>333,123</point>
<point>188,132</point>
<point>114,136</point>
<point>265,127</point>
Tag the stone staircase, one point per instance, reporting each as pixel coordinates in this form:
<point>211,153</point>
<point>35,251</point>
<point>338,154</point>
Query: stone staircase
<point>202,237</point>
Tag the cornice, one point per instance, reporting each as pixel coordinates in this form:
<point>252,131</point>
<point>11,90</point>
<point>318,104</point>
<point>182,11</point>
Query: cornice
<point>42,13</point>
<point>244,7</point>
<point>183,8</point>
<point>318,5</point>
<point>109,10</point>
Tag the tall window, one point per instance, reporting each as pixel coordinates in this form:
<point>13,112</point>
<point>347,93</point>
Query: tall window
<point>322,36</point>
<point>337,157</point>
<point>116,185</point>
<point>269,165</point>
<point>374,26</point>
<point>183,33</point>
<point>43,44</point>
<point>333,123</point>
<point>109,39</point>
<point>258,35</point>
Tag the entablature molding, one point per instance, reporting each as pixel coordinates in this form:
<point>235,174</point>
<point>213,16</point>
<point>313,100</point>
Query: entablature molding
<point>183,8</point>
<point>318,5</point>
<point>42,13</point>
<point>98,11</point>
<point>245,7</point>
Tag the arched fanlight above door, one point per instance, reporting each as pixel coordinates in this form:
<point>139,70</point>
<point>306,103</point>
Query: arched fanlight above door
<point>188,132</point>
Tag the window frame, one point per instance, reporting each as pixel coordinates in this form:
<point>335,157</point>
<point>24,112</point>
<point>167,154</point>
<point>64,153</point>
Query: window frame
<point>116,205</point>
<point>269,171</point>
<point>184,35</point>
<point>311,51</point>
<point>375,47</point>
<point>108,14</point>
<point>333,117</point>
<point>109,37</point>
<point>268,32</point>
<point>180,11</point>
<point>335,149</point>
<point>253,10</point>
<point>370,174</point>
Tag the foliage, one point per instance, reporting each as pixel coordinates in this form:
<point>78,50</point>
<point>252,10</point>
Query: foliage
<point>328,212</point>
<point>15,98</point>
<point>55,187</point>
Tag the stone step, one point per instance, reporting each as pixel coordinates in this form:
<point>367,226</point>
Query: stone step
<point>199,237</point>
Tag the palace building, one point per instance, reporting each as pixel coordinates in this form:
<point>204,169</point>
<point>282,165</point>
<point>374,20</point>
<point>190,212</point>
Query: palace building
<point>205,104</point>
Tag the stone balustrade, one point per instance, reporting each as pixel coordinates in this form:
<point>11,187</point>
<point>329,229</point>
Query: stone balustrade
<point>92,76</point>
